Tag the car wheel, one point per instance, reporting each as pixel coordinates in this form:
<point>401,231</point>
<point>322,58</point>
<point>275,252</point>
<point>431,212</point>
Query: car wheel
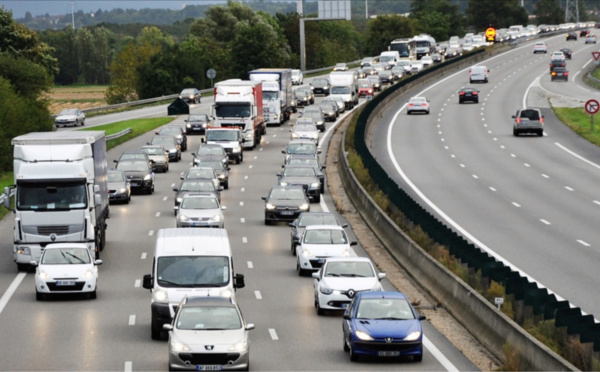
<point>515,132</point>
<point>39,296</point>
<point>128,199</point>
<point>267,222</point>
<point>93,295</point>
<point>346,348</point>
<point>407,112</point>
<point>179,157</point>
<point>23,267</point>
<point>319,310</point>
<point>83,122</point>
<point>241,157</point>
<point>156,332</point>
<point>460,101</point>
<point>418,358</point>
<point>299,269</point>
<point>293,248</point>
<point>317,198</point>
<point>353,355</point>
<point>476,101</point>
<point>540,133</point>
<point>226,185</point>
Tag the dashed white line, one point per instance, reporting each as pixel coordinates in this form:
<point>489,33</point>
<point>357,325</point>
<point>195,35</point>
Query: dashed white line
<point>527,165</point>
<point>260,149</point>
<point>157,214</point>
<point>545,222</point>
<point>569,188</point>
<point>250,167</point>
<point>462,165</point>
<point>132,319</point>
<point>241,204</point>
<point>172,185</point>
<point>244,240</point>
<point>250,265</point>
<point>545,175</point>
<point>128,366</point>
<point>256,157</point>
<point>245,177</point>
<point>597,202</point>
<point>475,176</point>
<point>242,220</point>
<point>151,232</point>
<point>583,243</point>
<point>258,295</point>
<point>493,189</point>
<point>516,204</point>
<point>273,334</point>
<point>137,283</point>
<point>165,198</point>
<point>513,155</point>
<point>243,189</point>
<point>144,255</point>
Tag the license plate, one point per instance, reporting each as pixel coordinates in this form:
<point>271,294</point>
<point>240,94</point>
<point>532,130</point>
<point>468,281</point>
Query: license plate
<point>287,213</point>
<point>65,282</point>
<point>199,224</point>
<point>320,260</point>
<point>388,353</point>
<point>208,368</point>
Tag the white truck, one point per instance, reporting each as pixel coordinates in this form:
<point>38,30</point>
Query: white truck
<point>61,192</point>
<point>344,84</point>
<point>239,103</point>
<point>277,93</point>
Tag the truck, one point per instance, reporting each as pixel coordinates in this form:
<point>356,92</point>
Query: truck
<point>277,93</point>
<point>344,84</point>
<point>61,193</point>
<point>231,139</point>
<point>239,103</point>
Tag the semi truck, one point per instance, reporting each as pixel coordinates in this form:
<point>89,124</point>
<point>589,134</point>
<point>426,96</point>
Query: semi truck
<point>277,93</point>
<point>61,192</point>
<point>344,84</point>
<point>239,103</point>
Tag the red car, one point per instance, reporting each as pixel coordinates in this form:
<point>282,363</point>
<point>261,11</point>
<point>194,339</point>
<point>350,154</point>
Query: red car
<point>365,88</point>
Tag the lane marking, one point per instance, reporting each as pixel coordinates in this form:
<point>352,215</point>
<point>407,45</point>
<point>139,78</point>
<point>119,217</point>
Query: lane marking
<point>165,198</point>
<point>545,222</point>
<point>493,189</point>
<point>545,175</point>
<point>577,156</point>
<point>241,204</point>
<point>137,283</point>
<point>516,204</point>
<point>273,334</point>
<point>128,366</point>
<point>144,256</point>
<point>437,354</point>
<point>151,232</point>
<point>243,189</point>
<point>583,243</point>
<point>11,290</point>
<point>250,265</point>
<point>245,177</point>
<point>244,240</point>
<point>157,214</point>
<point>242,220</point>
<point>132,319</point>
<point>569,188</point>
<point>258,295</point>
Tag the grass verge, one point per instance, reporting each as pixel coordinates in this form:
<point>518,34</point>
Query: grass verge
<point>580,122</point>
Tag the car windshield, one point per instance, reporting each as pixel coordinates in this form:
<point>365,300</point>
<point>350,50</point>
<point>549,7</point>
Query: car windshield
<point>132,156</point>
<point>305,128</point>
<point>197,186</point>
<point>199,203</point>
<point>418,100</point>
<point>172,131</point>
<point>302,148</point>
<point>222,135</point>
<point>384,308</point>
<point>298,172</point>
<point>192,271</point>
<point>153,151</point>
<point>200,173</point>
<point>208,318</point>
<point>320,82</point>
<point>203,118</point>
<point>340,90</point>
<point>115,177</point>
<point>66,256</point>
<point>325,236</point>
<point>133,166</point>
<point>68,112</point>
<point>50,196</point>
<point>287,194</point>
<point>302,161</point>
<point>186,92</point>
<point>210,150</point>
<point>295,72</point>
<point>214,164</point>
<point>164,141</point>
<point>349,269</point>
<point>319,219</point>
<point>364,85</point>
<point>270,96</point>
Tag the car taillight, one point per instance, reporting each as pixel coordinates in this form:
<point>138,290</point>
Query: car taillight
<point>462,93</point>
<point>518,120</point>
<point>541,120</point>
<point>474,93</point>
<point>566,74</point>
<point>553,73</point>
<point>410,104</point>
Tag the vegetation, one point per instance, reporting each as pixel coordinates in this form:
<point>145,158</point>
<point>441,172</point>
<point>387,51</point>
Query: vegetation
<point>138,127</point>
<point>580,122</point>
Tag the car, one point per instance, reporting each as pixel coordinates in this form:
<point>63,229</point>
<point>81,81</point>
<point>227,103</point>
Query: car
<point>190,95</point>
<point>310,160</point>
<point>139,174</point>
<point>386,77</point>
<point>417,104</point>
<point>200,210</point>
<point>158,156</point>
<point>367,61</point>
<point>427,61</point>
<point>71,117</point>
<point>329,110</point>
<point>119,188</point>
<point>195,186</point>
<point>300,147</point>
<point>382,324</point>
<point>320,242</point>
<point>196,173</point>
<point>361,73</point>
<point>557,63</point>
<point>529,120</point>
<point>584,32</point>
<point>452,52</point>
<point>305,128</point>
<point>309,219</point>
<point>221,169</point>
<point>437,57</point>
<point>302,98</point>
<point>405,64</point>
<point>210,151</point>
<point>321,86</point>
<point>379,66</point>
<point>197,123</point>
<point>466,94</point>
<point>467,47</point>
<point>285,203</point>
<point>170,144</point>
<point>297,77</point>
<point>66,269</point>
<point>590,39</point>
<point>316,115</point>
<point>208,333</point>
<point>365,88</point>
<point>568,53</point>
<point>340,279</point>
<point>416,66</point>
<point>309,92</point>
<point>369,70</point>
<point>340,67</point>
<point>302,175</point>
<point>571,36</point>
<point>557,56</point>
<point>176,131</point>
<point>375,82</point>
<point>231,138</point>
<point>339,101</point>
<point>135,155</point>
<point>540,47</point>
<point>559,73</point>
<point>398,72</point>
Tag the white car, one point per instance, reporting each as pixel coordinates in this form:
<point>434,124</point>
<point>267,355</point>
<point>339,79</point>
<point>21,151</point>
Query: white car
<point>320,242</point>
<point>558,55</point>
<point>297,77</point>
<point>540,47</point>
<point>417,104</point>
<point>416,66</point>
<point>66,268</point>
<point>426,61</point>
<point>305,128</point>
<point>340,278</point>
<point>72,117</point>
<point>200,210</point>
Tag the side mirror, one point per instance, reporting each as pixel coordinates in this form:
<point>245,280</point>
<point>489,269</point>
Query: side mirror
<point>223,208</point>
<point>228,168</point>
<point>220,188</point>
<point>381,276</point>
<point>249,326</point>
<point>345,225</point>
<point>238,281</point>
<point>323,166</point>
<point>33,263</point>
<point>315,275</point>
<point>353,243</point>
<point>167,327</point>
<point>279,173</point>
<point>147,281</point>
<point>98,262</point>
<point>202,140</point>
<point>175,189</point>
<point>422,317</point>
<point>265,199</point>
<point>291,224</point>
<point>175,208</point>
<point>116,161</point>
<point>283,151</point>
<point>346,316</point>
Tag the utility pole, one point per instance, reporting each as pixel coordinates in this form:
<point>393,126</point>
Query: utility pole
<point>572,11</point>
<point>367,9</point>
<point>72,16</point>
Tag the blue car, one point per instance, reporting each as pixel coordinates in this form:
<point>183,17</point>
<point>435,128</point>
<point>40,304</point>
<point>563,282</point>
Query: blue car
<point>382,324</point>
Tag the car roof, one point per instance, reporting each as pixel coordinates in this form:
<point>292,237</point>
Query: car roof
<point>324,227</point>
<point>348,259</point>
<point>301,141</point>
<point>287,187</point>
<point>381,294</point>
<point>208,301</point>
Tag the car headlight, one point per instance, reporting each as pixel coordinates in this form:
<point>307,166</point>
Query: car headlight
<point>241,345</point>
<point>306,253</point>
<point>183,218</point>
<point>44,275</point>
<point>177,346</point>
<point>363,336</point>
<point>191,97</point>
<point>294,135</point>
<point>275,116</point>
<point>173,150</point>
<point>221,176</point>
<point>325,290</point>
<point>204,125</point>
<point>303,207</point>
<point>315,184</point>
<point>188,125</point>
<point>413,336</point>
<point>24,250</point>
<point>122,190</point>
<point>249,135</point>
<point>160,296</point>
<point>88,274</point>
<point>236,149</point>
<point>216,218</point>
<point>147,177</point>
<point>269,206</point>
<point>283,183</point>
<point>224,160</point>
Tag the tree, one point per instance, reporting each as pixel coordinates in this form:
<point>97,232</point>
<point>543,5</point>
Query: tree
<point>28,80</point>
<point>549,12</point>
<point>65,52</point>
<point>438,18</point>
<point>498,13</point>
<point>382,30</point>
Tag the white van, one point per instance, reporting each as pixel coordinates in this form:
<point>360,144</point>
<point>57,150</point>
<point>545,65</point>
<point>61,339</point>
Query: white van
<point>390,57</point>
<point>189,262</point>
<point>478,74</point>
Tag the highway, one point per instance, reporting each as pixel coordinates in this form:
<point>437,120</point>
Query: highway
<point>530,201</point>
<point>113,331</point>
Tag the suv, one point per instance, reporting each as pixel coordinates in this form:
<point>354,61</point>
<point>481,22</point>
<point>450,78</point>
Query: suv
<point>528,120</point>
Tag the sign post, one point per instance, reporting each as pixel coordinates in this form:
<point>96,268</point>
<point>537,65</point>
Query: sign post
<point>591,107</point>
<point>596,55</point>
<point>211,74</point>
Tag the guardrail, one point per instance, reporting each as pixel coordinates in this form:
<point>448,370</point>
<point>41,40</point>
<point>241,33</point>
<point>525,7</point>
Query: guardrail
<point>119,134</point>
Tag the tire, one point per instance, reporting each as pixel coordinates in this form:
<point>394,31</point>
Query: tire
<point>515,133</point>
<point>156,333</point>
<point>23,267</point>
<point>353,355</point>
<point>346,348</point>
<point>293,249</point>
<point>540,133</point>
<point>241,157</point>
<point>226,185</point>
<point>300,270</point>
<point>128,199</point>
<point>39,296</point>
<point>318,198</point>
<point>319,310</point>
<point>93,295</point>
<point>418,358</point>
<point>83,122</point>
<point>476,101</point>
<point>267,222</point>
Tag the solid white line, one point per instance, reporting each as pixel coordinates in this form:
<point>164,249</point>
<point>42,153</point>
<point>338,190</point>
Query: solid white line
<point>144,255</point>
<point>11,290</point>
<point>241,204</point>
<point>128,366</point>
<point>546,222</point>
<point>131,319</point>
<point>577,156</point>
<point>323,205</point>
<point>244,240</point>
<point>437,354</point>
<point>258,295</point>
<point>250,265</point>
<point>137,283</point>
<point>273,334</point>
<point>583,243</point>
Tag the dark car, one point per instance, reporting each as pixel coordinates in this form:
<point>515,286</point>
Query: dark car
<point>170,144</point>
<point>557,63</point>
<point>572,36</point>
<point>210,151</point>
<point>135,155</point>
<point>308,219</point>
<point>382,324</point>
<point>559,73</point>
<point>302,98</point>
<point>468,94</point>
<point>177,132</point>
<point>584,32</point>
<point>309,160</point>
<point>285,203</point>
<point>221,169</point>
<point>321,86</point>
<point>139,174</point>
<point>386,77</point>
<point>567,52</point>
<point>197,123</point>
<point>301,175</point>
<point>375,82</point>
<point>316,115</point>
<point>329,110</point>
<point>195,186</point>
<point>119,189</point>
<point>308,91</point>
<point>300,147</point>
<point>437,57</point>
<point>190,95</point>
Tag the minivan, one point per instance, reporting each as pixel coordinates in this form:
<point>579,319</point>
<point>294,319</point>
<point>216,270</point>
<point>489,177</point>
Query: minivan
<point>189,262</point>
<point>478,74</point>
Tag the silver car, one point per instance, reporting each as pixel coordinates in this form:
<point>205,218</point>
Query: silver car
<point>159,157</point>
<point>72,117</point>
<point>528,120</point>
<point>208,333</point>
<point>417,104</point>
<point>200,210</point>
<point>305,129</point>
<point>198,173</point>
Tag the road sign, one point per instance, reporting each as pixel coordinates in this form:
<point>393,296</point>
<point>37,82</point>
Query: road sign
<point>592,106</point>
<point>490,34</point>
<point>211,73</point>
<point>595,55</point>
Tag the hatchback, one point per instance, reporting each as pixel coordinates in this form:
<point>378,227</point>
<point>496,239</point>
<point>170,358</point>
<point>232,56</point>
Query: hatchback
<point>285,203</point>
<point>308,219</point>
<point>200,210</point>
<point>190,95</point>
<point>320,242</point>
<point>119,189</point>
<point>540,47</point>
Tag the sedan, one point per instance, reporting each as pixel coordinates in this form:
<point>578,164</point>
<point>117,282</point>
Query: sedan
<point>197,123</point>
<point>197,173</point>
<point>338,101</point>
<point>158,156</point>
<point>540,47</point>
<point>302,98</point>
<point>367,61</point>
<point>590,39</point>
<point>329,110</point>
<point>559,73</point>
<point>386,77</point>
<point>66,268</point>
<point>321,86</point>
<point>340,279</point>
<point>170,144</point>
<point>308,91</point>
<point>72,117</point>
<point>572,36</point>
<point>309,219</point>
<point>316,115</point>
<point>398,72</point>
<point>177,132</point>
<point>301,175</point>
<point>190,95</point>
<point>221,169</point>
<point>204,186</point>
<point>375,82</point>
<point>139,174</point>
<point>119,188</point>
<point>200,210</point>
<point>427,61</point>
<point>340,67</point>
<point>285,203</point>
<point>417,104</point>
<point>300,147</point>
<point>319,243</point>
<point>382,324</point>
<point>203,321</point>
<point>305,129</point>
<point>210,151</point>
<point>468,94</point>
<point>313,161</point>
<point>568,53</point>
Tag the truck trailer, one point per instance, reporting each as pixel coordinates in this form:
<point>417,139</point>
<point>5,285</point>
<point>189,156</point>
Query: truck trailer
<point>277,93</point>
